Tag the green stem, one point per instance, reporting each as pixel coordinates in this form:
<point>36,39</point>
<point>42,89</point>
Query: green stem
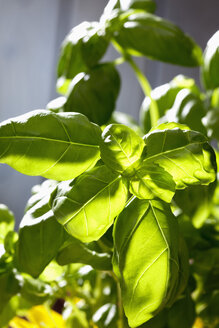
<point>119,61</point>
<point>120,307</point>
<point>145,85</point>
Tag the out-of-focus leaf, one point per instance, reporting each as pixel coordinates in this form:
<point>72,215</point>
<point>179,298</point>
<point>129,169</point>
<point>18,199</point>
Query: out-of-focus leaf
<point>182,313</point>
<point>146,258</point>
<point>121,148</point>
<point>35,290</point>
<point>196,202</point>
<point>187,109</point>
<point>74,251</point>
<point>6,222</point>
<point>149,35</point>
<point>164,96</point>
<point>59,146</point>
<point>87,206</point>
<point>10,285</point>
<point>40,236</point>
<point>83,47</point>
<point>94,94</point>
<point>210,68</point>
<point>211,122</point>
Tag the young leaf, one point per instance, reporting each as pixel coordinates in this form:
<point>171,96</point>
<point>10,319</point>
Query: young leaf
<point>210,68</point>
<point>144,34</point>
<point>146,258</point>
<point>6,222</point>
<point>184,154</point>
<point>83,47</point>
<point>121,148</point>
<point>59,146</point>
<point>151,181</point>
<point>94,94</point>
<point>87,206</point>
<point>38,231</point>
<point>74,251</point>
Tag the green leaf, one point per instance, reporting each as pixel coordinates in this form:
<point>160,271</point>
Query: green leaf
<point>196,202</point>
<point>146,258</point>
<point>164,96</point>
<point>121,148</point>
<point>211,122</point>
<point>184,154</point>
<point>210,68</point>
<point>151,181</point>
<point>59,146</point>
<point>74,251</point>
<point>35,290</point>
<point>6,222</point>
<point>187,109</point>
<point>143,34</point>
<point>10,284</point>
<point>83,47</point>
<point>39,230</point>
<point>94,94</point>
<point>182,313</point>
<point>88,205</point>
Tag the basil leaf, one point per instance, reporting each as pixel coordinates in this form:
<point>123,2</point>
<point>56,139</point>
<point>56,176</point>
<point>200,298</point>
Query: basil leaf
<point>184,154</point>
<point>211,122</point>
<point>164,96</point>
<point>10,285</point>
<point>39,230</point>
<point>151,181</point>
<point>74,251</point>
<point>83,47</point>
<point>35,290</point>
<point>121,148</point>
<point>196,202</point>
<point>88,205</point>
<point>59,146</point>
<point>187,109</point>
<point>143,34</point>
<point>210,68</point>
<point>145,258</point>
<point>94,94</point>
<point>176,314</point>
<point>6,222</point>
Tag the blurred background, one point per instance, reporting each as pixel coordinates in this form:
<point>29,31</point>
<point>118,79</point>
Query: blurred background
<point>31,32</point>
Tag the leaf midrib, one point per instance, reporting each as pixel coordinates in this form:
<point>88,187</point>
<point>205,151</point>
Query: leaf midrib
<point>173,150</point>
<point>92,198</point>
<point>50,139</point>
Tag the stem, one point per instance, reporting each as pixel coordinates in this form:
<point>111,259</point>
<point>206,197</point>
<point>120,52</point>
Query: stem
<point>145,85</point>
<point>119,300</point>
<point>120,307</point>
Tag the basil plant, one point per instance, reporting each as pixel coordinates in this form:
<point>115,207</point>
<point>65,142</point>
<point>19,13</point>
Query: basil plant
<point>124,229</point>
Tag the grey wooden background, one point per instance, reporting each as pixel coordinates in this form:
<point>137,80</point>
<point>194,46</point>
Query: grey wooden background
<point>31,32</point>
